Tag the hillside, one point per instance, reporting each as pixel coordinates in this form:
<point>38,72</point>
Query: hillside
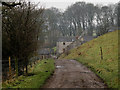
<point>90,55</point>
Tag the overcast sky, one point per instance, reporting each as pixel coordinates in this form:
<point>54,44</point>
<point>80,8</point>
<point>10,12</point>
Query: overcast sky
<point>63,4</point>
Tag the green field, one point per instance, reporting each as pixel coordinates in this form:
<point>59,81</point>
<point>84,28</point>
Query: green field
<point>41,71</point>
<point>90,55</point>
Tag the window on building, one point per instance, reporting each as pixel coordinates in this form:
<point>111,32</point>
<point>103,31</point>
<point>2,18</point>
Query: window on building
<point>63,43</point>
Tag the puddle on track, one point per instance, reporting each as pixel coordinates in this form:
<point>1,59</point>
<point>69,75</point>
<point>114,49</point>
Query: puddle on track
<point>59,66</point>
<point>72,60</point>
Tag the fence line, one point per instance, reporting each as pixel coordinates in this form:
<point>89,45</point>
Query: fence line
<point>7,71</point>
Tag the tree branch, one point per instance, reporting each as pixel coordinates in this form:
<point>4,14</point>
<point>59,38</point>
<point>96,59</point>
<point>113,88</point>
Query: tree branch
<point>10,5</point>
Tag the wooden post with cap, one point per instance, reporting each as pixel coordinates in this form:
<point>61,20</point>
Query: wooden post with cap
<point>101,53</point>
<point>9,66</point>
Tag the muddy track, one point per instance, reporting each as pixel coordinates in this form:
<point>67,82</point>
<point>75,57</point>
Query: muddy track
<point>72,74</point>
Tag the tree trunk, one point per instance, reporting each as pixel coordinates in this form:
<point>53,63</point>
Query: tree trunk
<point>16,67</point>
<point>26,70</point>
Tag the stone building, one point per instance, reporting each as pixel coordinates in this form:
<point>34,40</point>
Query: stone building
<point>45,53</point>
<point>63,42</point>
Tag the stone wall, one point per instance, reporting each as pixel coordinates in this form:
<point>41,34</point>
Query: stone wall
<point>73,45</point>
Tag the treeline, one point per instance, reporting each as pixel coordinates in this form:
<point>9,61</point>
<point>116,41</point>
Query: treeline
<point>25,26</point>
<point>79,17</point>
<point>21,26</point>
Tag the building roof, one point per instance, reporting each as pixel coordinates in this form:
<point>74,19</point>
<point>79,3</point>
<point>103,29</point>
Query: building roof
<point>87,38</point>
<point>45,51</point>
<point>66,39</point>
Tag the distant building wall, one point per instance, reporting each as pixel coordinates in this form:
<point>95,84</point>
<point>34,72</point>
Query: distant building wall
<point>61,46</point>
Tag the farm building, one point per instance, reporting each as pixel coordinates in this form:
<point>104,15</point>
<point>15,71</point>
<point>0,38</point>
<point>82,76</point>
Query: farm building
<point>45,53</point>
<point>63,42</point>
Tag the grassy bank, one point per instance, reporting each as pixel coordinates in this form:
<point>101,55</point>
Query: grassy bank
<point>90,55</point>
<point>36,78</point>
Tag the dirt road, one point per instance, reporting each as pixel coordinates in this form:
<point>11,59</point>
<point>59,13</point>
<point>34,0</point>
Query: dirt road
<point>72,74</point>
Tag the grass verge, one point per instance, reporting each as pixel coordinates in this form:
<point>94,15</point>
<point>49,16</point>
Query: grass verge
<point>36,77</point>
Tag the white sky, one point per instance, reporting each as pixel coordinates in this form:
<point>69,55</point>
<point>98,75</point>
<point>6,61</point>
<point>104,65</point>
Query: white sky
<point>63,4</point>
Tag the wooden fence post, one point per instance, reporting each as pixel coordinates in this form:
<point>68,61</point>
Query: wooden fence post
<point>9,67</point>
<point>43,57</point>
<point>101,53</point>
